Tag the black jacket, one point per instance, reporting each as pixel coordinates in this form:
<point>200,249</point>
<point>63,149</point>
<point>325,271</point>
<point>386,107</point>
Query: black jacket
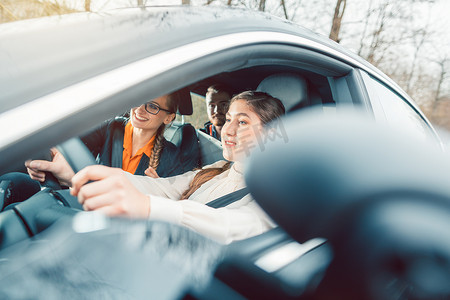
<point>106,144</point>
<point>210,130</point>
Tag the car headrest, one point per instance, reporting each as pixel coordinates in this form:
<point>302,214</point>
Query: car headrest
<point>291,89</point>
<point>184,102</point>
<point>318,164</point>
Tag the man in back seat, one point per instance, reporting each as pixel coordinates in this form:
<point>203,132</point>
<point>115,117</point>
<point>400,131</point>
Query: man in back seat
<point>217,102</point>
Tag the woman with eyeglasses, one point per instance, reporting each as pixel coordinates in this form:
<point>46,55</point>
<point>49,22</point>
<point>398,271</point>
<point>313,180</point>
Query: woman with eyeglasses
<point>135,144</point>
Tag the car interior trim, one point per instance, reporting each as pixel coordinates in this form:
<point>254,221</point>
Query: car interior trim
<point>284,255</point>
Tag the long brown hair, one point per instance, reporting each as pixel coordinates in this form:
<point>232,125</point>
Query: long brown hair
<point>172,106</point>
<point>266,107</point>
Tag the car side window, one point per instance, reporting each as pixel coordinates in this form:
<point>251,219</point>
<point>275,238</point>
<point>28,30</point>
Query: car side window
<point>199,116</point>
<point>397,111</point>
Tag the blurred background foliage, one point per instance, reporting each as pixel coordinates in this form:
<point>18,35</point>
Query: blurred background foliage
<point>14,10</point>
<point>409,40</point>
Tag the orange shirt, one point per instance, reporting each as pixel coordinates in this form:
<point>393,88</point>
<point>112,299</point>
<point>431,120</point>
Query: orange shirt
<point>129,162</point>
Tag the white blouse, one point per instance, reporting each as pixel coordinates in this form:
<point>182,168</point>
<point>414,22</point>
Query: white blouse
<point>239,220</point>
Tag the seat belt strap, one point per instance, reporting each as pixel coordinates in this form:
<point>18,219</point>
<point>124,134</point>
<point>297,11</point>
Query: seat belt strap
<point>228,198</point>
<point>117,148</point>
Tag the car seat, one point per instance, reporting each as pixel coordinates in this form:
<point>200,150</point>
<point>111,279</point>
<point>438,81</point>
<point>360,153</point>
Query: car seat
<point>290,88</point>
<point>183,135</point>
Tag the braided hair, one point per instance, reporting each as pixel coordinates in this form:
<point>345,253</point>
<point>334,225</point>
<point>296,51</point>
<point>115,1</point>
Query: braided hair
<point>172,106</point>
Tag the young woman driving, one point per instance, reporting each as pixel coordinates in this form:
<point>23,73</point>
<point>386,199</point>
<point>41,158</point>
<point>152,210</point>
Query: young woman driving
<point>115,192</point>
<point>135,144</point>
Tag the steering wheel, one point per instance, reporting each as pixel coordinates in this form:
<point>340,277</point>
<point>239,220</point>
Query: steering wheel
<point>76,154</point>
<point>41,210</point>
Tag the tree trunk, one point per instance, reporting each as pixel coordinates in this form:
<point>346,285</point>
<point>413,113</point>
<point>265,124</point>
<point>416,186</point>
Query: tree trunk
<point>283,4</point>
<point>337,20</point>
<point>262,5</point>
<point>442,76</point>
<point>186,2</point>
<point>87,5</point>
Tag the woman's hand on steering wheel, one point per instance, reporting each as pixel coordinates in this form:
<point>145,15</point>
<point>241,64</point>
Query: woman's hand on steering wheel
<point>109,191</point>
<point>59,167</point>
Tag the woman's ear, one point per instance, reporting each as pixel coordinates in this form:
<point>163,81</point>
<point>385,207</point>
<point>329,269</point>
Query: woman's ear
<point>169,119</point>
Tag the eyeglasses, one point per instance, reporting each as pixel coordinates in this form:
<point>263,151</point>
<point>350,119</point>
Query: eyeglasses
<point>153,108</point>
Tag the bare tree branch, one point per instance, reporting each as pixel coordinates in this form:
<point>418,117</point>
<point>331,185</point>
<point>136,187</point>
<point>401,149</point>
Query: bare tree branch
<point>377,33</point>
<point>366,25</point>
<point>283,5</point>
<point>422,35</point>
<point>442,76</point>
<point>339,11</point>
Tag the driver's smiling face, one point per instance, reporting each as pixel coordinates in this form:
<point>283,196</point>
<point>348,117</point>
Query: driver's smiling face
<point>142,119</point>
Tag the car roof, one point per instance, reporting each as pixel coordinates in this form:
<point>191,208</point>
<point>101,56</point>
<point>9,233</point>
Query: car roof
<point>36,54</point>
